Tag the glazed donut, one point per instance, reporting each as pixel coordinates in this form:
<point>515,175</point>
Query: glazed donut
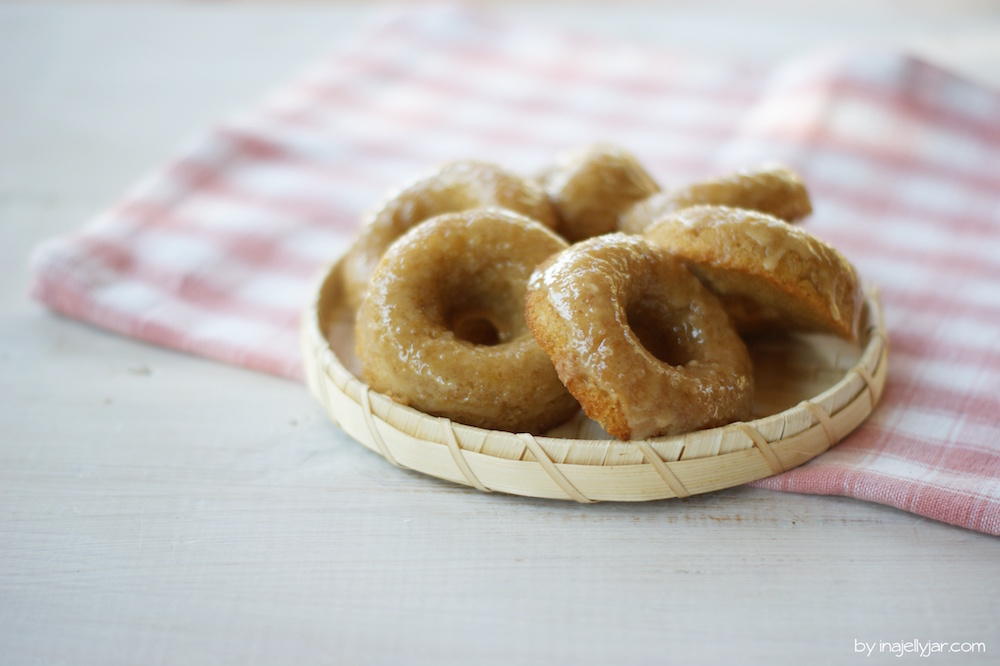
<point>591,188</point>
<point>644,347</point>
<point>442,326</point>
<point>770,189</point>
<point>453,188</point>
<point>769,275</point>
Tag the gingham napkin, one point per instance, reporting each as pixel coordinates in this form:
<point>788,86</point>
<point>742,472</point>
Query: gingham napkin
<point>216,252</point>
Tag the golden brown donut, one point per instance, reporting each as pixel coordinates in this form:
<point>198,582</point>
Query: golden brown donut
<point>770,189</point>
<point>646,349</point>
<point>769,275</point>
<point>592,187</point>
<point>442,326</point>
<point>453,188</point>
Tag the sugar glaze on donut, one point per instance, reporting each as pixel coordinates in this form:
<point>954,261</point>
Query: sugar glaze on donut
<point>768,188</point>
<point>442,326</point>
<point>770,276</point>
<point>453,188</point>
<point>591,187</point>
<point>644,347</point>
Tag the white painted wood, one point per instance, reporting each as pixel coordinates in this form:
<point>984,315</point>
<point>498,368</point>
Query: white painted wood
<point>161,509</point>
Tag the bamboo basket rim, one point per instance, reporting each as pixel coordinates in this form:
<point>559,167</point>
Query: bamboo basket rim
<point>587,469</point>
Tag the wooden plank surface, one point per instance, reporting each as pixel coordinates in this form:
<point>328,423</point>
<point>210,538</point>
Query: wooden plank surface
<point>161,509</point>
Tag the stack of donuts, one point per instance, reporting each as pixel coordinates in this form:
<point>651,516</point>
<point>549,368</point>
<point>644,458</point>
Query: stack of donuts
<point>510,302</point>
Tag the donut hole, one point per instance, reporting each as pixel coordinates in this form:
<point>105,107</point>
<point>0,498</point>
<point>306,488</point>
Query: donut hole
<point>475,326</point>
<point>664,332</point>
<point>481,305</point>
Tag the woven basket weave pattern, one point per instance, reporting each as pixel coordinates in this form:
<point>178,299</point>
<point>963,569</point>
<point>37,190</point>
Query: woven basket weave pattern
<point>577,461</point>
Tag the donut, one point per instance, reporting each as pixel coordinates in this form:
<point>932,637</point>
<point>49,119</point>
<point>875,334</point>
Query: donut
<point>442,326</point>
<point>592,187</point>
<point>644,347</point>
<point>769,275</point>
<point>453,188</point>
<point>771,189</point>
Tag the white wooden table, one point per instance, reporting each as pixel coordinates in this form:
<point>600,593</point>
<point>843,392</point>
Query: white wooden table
<point>162,509</point>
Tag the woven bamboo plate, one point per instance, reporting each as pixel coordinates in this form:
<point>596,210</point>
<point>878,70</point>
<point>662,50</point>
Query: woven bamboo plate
<point>811,391</point>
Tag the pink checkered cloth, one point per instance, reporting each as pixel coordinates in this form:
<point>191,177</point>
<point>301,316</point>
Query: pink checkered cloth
<point>217,251</point>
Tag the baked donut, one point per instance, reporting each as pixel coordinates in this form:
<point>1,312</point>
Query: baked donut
<point>644,347</point>
<point>442,326</point>
<point>771,189</point>
<point>769,275</point>
<point>455,187</point>
<point>592,187</point>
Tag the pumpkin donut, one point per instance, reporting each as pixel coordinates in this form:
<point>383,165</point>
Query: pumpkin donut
<point>769,275</point>
<point>442,326</point>
<point>644,347</point>
<point>770,189</point>
<point>455,187</point>
<point>592,187</point>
